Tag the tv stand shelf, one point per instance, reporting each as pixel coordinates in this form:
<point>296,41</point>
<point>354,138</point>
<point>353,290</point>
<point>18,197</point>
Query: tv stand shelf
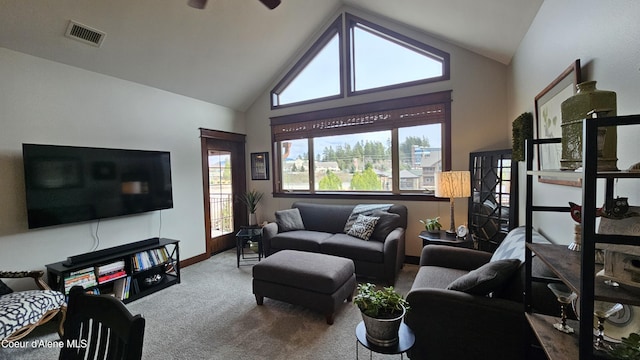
<point>148,265</point>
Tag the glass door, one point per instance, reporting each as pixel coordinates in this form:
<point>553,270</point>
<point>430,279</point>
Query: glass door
<point>220,193</point>
<point>224,178</point>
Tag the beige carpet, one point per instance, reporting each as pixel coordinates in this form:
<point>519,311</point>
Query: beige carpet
<point>212,314</point>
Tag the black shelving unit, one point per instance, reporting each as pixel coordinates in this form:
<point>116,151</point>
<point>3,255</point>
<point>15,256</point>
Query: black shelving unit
<point>576,269</point>
<point>166,271</point>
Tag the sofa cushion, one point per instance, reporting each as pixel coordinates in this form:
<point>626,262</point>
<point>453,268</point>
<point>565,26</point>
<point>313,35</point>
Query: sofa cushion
<point>303,240</point>
<point>4,289</point>
<point>289,220</point>
<point>24,308</point>
<point>436,277</point>
<point>487,278</point>
<point>353,248</point>
<point>387,222</point>
<point>363,227</point>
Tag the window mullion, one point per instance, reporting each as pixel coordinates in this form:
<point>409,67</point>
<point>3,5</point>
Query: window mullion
<point>312,166</point>
<point>395,162</point>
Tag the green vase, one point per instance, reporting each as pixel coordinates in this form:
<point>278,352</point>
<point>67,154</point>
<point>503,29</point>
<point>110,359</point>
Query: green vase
<point>587,101</point>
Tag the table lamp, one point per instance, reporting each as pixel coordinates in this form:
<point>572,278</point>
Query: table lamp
<point>453,184</point>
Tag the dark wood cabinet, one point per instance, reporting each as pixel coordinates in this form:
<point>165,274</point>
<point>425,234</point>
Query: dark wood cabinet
<point>493,205</point>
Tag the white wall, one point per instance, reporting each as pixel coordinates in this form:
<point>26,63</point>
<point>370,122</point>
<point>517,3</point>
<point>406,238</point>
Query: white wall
<point>605,36</point>
<point>478,123</point>
<point>51,103</point>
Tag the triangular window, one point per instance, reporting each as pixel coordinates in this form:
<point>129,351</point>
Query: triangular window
<point>318,73</point>
<point>377,59</point>
<point>380,58</point>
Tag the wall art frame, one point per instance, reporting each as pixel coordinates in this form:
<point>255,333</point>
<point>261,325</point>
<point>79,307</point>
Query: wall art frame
<point>260,166</point>
<point>549,120</point>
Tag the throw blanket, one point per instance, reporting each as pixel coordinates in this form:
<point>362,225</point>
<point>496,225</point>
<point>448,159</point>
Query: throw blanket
<point>363,209</point>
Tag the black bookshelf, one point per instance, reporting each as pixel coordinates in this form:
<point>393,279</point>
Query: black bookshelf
<point>162,258</point>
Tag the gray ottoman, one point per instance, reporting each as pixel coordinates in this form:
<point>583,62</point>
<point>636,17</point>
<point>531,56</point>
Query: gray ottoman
<point>316,281</point>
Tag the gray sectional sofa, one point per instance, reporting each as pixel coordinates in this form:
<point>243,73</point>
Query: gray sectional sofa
<point>322,230</point>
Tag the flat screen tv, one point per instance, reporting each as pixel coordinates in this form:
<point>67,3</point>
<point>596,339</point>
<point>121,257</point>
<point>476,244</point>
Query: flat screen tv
<point>69,184</point>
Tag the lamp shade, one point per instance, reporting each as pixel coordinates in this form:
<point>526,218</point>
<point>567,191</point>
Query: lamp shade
<point>453,184</point>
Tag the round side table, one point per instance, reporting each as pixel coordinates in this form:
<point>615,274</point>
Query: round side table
<point>406,341</point>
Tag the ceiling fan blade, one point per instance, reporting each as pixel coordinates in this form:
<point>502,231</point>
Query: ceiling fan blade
<point>271,4</point>
<point>198,4</point>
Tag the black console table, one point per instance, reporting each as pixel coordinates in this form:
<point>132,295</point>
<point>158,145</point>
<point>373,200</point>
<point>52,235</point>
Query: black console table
<point>129,271</point>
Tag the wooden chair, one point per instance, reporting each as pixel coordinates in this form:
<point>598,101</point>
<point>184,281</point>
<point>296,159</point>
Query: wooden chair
<point>22,311</point>
<point>100,327</point>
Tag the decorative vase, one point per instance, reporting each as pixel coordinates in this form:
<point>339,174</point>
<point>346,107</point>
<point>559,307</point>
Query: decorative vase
<point>381,331</point>
<point>587,101</point>
<point>252,219</point>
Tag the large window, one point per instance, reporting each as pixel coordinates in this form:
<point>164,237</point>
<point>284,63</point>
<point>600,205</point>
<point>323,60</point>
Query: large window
<point>377,59</point>
<point>386,148</point>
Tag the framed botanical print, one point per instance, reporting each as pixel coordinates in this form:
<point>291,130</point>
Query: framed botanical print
<point>260,166</point>
<point>549,121</point>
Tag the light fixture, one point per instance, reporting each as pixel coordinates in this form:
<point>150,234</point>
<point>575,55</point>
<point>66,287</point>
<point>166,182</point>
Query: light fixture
<point>453,184</point>
<point>198,4</point>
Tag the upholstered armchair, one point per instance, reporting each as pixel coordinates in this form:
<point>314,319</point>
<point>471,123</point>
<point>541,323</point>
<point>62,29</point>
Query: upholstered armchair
<point>23,311</point>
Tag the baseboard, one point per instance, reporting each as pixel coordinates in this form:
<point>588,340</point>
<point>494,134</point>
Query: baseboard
<point>193,260</point>
<point>414,260</point>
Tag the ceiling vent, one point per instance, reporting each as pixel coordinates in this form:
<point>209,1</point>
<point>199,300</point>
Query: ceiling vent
<point>84,34</point>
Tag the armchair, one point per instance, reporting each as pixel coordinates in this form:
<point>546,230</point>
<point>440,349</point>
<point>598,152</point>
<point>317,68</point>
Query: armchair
<point>23,311</point>
<point>486,322</point>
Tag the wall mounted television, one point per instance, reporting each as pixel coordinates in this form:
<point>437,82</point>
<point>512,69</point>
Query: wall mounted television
<point>69,184</point>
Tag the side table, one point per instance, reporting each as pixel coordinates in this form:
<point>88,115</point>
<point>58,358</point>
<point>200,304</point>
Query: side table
<point>248,233</point>
<point>405,342</point>
<point>442,238</point>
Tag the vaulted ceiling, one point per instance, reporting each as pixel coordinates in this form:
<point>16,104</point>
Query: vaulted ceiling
<point>233,50</point>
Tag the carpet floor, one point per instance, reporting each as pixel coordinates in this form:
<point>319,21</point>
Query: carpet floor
<point>212,314</point>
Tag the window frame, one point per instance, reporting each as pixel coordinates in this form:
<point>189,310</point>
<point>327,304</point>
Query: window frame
<point>429,51</point>
<point>301,64</point>
<point>391,115</point>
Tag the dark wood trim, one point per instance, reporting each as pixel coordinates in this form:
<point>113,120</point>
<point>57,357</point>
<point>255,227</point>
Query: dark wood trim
<point>441,97</point>
<point>360,196</point>
<point>193,260</point>
<point>222,135</point>
<point>235,145</point>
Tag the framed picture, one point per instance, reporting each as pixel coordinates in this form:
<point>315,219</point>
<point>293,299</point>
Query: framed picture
<point>549,121</point>
<point>260,166</point>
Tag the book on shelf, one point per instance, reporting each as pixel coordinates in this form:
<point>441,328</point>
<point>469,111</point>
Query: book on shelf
<point>111,276</point>
<point>110,268</point>
<point>84,277</point>
<point>149,258</point>
<point>121,288</point>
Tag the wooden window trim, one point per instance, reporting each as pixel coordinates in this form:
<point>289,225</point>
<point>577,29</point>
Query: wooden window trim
<point>382,115</point>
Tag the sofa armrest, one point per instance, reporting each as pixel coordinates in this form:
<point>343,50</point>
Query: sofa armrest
<point>453,257</point>
<point>394,253</point>
<point>268,232</point>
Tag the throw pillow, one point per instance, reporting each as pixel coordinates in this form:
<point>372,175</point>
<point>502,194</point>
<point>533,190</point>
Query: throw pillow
<point>487,278</point>
<point>363,209</point>
<point>363,227</point>
<point>289,220</point>
<point>512,247</point>
<point>386,224</point>
<point>4,289</point>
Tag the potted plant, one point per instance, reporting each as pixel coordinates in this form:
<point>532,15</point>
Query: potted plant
<point>432,225</point>
<point>382,311</point>
<point>251,199</point>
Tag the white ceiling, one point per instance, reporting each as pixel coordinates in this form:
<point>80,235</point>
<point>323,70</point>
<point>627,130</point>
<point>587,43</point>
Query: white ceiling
<point>231,51</point>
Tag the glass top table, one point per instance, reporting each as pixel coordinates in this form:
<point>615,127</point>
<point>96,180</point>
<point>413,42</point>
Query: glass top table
<point>244,235</point>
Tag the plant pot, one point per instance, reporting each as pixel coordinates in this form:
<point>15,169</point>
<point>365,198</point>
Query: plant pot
<point>383,332</point>
<point>252,219</point>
